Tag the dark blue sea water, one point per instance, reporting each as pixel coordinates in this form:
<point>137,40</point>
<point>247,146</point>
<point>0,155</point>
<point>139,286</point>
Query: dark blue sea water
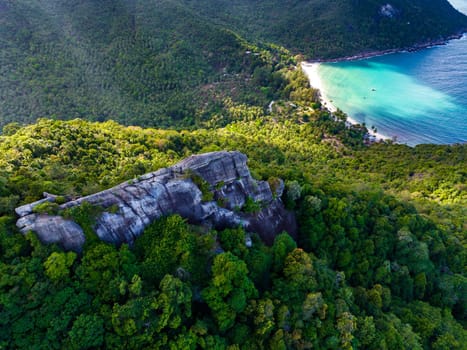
<point>415,97</point>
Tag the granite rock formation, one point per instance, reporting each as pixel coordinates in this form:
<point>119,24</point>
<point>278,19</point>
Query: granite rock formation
<point>209,189</point>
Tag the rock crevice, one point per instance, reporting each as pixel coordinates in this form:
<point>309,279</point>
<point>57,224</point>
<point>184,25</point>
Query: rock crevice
<point>129,207</point>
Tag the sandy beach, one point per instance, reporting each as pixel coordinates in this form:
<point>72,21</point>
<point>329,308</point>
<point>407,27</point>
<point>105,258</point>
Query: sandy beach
<point>311,70</point>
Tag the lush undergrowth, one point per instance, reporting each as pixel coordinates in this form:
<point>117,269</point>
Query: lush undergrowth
<point>379,262</point>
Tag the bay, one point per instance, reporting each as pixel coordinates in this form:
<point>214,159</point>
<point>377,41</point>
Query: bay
<point>411,97</point>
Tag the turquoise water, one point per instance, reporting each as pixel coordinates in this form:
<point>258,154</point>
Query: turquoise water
<point>416,97</point>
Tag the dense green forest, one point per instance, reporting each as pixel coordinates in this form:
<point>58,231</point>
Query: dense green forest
<point>130,61</point>
<point>174,63</point>
<point>380,259</point>
<point>379,262</point>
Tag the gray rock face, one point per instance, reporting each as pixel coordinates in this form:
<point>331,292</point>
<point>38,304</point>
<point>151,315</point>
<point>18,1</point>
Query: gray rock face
<point>129,207</point>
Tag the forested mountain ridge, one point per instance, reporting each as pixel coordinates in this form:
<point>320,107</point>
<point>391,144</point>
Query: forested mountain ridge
<point>175,63</point>
<point>337,28</point>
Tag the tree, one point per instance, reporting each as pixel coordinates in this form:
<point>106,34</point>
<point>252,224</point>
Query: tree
<point>233,240</point>
<point>165,246</point>
<point>87,332</point>
<point>346,324</point>
<point>263,314</point>
<point>298,279</point>
<point>57,266</point>
<point>283,245</point>
<point>314,304</point>
<point>292,193</point>
<point>99,271</point>
<point>173,304</point>
<point>366,331</point>
<point>229,289</point>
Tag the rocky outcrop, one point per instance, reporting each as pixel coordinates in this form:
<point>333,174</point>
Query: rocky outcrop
<point>209,189</point>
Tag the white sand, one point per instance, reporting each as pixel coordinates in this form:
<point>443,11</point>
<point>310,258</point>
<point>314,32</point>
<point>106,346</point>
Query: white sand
<point>311,70</point>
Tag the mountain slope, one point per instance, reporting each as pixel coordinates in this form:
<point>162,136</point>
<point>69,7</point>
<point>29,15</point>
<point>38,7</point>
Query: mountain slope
<point>330,29</point>
<point>174,62</point>
<point>127,60</point>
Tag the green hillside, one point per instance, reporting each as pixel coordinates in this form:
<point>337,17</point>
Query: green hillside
<point>173,63</point>
<point>337,28</point>
<point>126,60</point>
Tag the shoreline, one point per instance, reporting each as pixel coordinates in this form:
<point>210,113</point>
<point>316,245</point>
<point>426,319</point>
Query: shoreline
<point>311,71</point>
<point>413,48</point>
<point>310,68</point>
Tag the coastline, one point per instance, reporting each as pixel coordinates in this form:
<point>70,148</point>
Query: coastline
<point>376,53</point>
<point>311,71</point>
<point>310,68</point>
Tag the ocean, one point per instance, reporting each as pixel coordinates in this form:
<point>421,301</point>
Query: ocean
<point>410,97</point>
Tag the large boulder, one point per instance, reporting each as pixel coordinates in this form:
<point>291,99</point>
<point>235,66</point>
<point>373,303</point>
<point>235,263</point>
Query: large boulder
<point>209,189</point>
